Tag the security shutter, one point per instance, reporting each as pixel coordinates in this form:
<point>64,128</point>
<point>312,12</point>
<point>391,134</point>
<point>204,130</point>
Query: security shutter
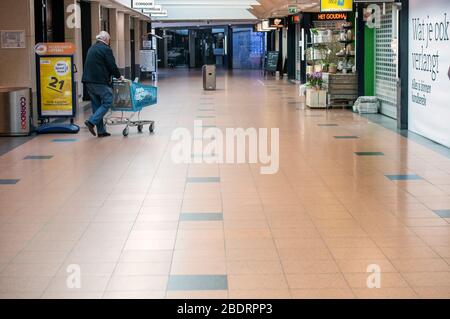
<point>386,65</point>
<point>298,52</point>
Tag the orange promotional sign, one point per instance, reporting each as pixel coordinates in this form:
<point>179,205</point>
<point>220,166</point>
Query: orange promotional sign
<point>55,48</point>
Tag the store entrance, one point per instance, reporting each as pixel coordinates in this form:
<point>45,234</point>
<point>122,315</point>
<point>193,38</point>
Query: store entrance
<point>49,20</point>
<point>386,61</point>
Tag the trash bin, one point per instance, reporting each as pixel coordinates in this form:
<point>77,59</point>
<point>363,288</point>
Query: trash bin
<point>209,77</point>
<point>15,111</point>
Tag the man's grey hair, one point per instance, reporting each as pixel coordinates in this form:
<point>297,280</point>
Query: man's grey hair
<point>104,37</point>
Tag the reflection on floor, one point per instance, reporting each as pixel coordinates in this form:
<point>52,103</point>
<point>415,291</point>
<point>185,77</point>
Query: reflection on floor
<point>351,198</point>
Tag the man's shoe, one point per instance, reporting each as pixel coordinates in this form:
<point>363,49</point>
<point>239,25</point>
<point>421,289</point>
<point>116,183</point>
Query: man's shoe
<point>106,134</point>
<point>91,127</point>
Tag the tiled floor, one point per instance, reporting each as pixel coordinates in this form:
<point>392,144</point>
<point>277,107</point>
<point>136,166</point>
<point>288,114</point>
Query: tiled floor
<point>138,225</point>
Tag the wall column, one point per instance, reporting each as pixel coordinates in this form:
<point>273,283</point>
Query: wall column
<point>137,46</point>
<point>72,32</point>
<point>18,66</point>
<point>96,26</point>
<point>127,45</point>
<point>113,24</point>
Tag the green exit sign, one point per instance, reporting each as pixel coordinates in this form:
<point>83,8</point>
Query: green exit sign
<point>293,10</point>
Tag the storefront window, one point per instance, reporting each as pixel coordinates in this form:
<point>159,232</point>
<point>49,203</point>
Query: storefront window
<point>248,48</point>
<point>178,48</point>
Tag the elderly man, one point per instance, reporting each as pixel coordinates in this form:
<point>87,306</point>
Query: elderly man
<point>100,66</point>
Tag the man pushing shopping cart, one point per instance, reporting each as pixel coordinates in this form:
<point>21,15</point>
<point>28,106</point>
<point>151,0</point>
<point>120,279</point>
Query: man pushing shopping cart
<point>99,68</point>
<point>117,95</point>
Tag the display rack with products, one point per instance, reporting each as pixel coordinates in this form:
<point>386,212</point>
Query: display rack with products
<point>331,52</point>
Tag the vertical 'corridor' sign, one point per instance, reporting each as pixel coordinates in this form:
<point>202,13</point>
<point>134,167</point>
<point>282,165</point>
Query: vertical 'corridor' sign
<point>429,69</point>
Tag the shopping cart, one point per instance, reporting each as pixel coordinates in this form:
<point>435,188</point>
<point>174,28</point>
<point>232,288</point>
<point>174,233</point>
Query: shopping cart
<point>131,97</point>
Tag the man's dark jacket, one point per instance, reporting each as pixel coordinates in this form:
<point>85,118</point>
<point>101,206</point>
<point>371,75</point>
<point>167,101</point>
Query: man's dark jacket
<point>100,65</point>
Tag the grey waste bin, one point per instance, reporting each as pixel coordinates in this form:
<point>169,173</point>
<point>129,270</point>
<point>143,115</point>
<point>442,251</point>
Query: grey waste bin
<point>15,111</point>
<point>209,77</point>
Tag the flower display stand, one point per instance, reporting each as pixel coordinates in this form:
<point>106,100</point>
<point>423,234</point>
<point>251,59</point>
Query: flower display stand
<point>316,98</point>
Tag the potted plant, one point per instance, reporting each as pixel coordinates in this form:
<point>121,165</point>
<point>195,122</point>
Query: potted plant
<point>332,68</point>
<point>315,80</point>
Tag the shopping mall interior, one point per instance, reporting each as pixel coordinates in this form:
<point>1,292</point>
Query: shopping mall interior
<point>258,149</point>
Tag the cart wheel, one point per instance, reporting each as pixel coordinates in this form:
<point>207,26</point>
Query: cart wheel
<point>140,127</point>
<point>125,131</point>
<point>151,127</point>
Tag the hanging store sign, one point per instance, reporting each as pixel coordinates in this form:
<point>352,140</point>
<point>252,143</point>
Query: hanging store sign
<point>55,48</point>
<point>296,19</point>
<point>277,22</point>
<point>336,5</point>
<point>163,13</point>
<point>330,16</point>
<point>429,69</point>
<point>157,8</point>
<point>143,4</point>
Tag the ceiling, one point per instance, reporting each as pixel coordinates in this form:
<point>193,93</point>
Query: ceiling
<point>228,10</point>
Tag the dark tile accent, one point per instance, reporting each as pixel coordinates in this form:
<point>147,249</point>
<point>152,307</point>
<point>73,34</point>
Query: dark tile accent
<point>203,180</point>
<point>391,125</point>
<point>7,143</point>
<point>343,137</point>
<point>201,216</point>
<point>9,181</point>
<point>63,140</point>
<point>198,282</point>
<point>369,153</point>
<point>444,213</point>
<point>38,157</point>
<point>411,177</point>
<point>327,125</point>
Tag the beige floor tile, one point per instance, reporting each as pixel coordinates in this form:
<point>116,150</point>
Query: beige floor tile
<point>409,252</point>
<point>250,282</point>
<point>142,269</point>
<point>254,267</point>
<point>362,265</point>
<point>260,294</point>
<point>304,253</point>
<point>211,267</point>
<point>134,294</point>
<point>387,280</point>
<point>146,256</point>
<point>421,265</point>
<point>30,270</point>
<point>137,283</point>
<point>149,244</point>
<point>72,295</point>
<point>30,284</point>
<point>384,293</point>
<point>433,292</point>
<point>428,279</point>
<point>318,281</point>
<point>326,293</point>
<point>324,266</point>
<point>88,283</point>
